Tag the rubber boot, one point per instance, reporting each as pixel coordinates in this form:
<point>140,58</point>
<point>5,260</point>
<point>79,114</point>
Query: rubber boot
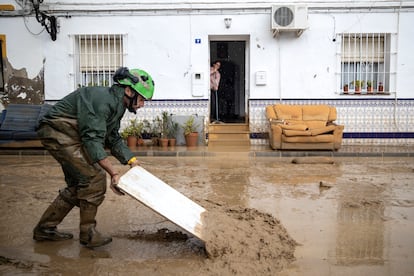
<point>89,236</point>
<point>54,214</point>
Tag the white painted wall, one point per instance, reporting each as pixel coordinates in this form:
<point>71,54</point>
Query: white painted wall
<point>24,50</point>
<point>302,67</point>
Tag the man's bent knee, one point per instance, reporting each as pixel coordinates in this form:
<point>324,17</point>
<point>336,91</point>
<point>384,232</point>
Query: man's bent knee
<point>69,195</point>
<point>93,191</point>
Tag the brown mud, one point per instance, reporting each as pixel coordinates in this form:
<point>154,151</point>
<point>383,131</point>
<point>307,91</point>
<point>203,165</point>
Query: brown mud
<point>266,216</point>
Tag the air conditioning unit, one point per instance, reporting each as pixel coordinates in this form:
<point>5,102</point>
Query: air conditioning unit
<point>288,18</point>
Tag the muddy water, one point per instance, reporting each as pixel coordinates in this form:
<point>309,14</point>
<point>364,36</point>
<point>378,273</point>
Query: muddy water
<point>267,216</point>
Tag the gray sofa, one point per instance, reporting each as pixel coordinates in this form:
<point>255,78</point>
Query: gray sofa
<point>18,123</point>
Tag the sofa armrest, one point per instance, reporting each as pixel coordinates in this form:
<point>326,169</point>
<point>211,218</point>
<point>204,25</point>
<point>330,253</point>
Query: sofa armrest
<point>275,136</point>
<point>338,133</point>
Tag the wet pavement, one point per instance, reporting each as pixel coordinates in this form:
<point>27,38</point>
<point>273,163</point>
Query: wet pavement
<point>352,217</point>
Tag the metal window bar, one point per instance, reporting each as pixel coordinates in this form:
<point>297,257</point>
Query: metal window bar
<point>98,57</point>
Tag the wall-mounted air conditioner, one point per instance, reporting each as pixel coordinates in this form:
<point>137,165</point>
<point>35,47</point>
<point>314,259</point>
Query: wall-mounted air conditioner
<point>288,18</point>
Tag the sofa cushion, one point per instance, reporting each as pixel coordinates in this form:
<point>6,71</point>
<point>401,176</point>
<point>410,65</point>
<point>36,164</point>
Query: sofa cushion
<point>6,134</point>
<point>290,132</point>
<point>318,131</point>
<point>25,135</point>
<point>288,112</point>
<point>323,138</point>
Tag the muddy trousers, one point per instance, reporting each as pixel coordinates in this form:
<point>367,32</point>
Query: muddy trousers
<point>86,181</point>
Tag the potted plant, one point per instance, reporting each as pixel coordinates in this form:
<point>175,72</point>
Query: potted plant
<point>172,132</point>
<point>346,88</point>
<point>369,86</point>
<point>132,132</point>
<point>358,84</point>
<point>190,132</point>
<point>156,130</point>
<point>380,87</point>
<point>164,130</point>
<point>139,126</point>
<point>128,136</point>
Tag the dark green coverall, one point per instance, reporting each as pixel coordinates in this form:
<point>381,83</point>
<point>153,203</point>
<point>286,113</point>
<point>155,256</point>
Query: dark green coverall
<point>76,131</point>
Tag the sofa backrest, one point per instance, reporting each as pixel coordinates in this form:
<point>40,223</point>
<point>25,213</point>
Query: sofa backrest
<point>295,113</point>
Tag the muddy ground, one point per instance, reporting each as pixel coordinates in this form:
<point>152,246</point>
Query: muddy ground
<point>266,216</point>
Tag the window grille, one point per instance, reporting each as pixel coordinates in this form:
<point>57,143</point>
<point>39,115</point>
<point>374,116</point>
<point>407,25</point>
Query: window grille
<point>365,63</point>
<point>97,57</point>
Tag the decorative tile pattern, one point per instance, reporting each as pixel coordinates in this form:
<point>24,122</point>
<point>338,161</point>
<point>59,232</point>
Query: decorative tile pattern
<point>363,119</point>
<point>369,117</point>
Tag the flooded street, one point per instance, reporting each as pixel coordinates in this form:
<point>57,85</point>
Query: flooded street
<point>270,217</point>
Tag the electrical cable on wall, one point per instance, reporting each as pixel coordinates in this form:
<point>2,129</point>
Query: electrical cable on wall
<point>47,21</point>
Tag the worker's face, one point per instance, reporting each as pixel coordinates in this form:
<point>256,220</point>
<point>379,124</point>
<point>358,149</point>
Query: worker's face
<point>140,102</point>
<point>217,65</point>
<point>133,106</point>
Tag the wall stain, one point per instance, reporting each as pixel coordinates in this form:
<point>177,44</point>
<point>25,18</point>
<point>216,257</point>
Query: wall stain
<point>19,89</point>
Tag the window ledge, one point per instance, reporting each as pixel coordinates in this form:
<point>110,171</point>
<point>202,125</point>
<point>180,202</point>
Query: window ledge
<point>365,94</point>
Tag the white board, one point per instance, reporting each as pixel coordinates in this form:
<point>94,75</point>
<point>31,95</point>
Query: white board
<point>163,199</point>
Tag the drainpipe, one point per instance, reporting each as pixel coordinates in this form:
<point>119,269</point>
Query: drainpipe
<point>396,62</point>
<point>280,74</point>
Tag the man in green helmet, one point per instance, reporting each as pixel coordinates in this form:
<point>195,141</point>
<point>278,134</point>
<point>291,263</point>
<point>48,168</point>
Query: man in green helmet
<point>76,131</point>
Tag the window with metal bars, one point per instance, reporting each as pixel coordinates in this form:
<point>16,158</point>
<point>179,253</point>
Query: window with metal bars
<point>365,63</point>
<point>97,57</point>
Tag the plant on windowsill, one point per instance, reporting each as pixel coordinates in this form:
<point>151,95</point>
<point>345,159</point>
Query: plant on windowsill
<point>358,84</point>
<point>369,86</point>
<point>346,88</point>
<point>380,87</point>
<point>190,132</point>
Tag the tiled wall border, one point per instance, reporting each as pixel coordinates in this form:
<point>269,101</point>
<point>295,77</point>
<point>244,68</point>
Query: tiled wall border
<point>373,121</point>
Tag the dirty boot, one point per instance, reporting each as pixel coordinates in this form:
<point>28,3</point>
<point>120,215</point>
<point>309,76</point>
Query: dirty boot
<point>54,214</point>
<point>89,236</point>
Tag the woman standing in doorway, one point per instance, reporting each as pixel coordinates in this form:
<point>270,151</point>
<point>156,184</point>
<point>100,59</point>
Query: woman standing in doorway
<point>214,87</point>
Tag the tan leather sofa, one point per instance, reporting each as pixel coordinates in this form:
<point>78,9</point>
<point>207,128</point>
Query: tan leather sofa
<point>304,127</point>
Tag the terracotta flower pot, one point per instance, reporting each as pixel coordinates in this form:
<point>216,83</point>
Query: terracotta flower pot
<point>140,142</point>
<point>132,141</point>
<point>191,139</point>
<point>346,89</point>
<point>172,142</point>
<point>163,142</point>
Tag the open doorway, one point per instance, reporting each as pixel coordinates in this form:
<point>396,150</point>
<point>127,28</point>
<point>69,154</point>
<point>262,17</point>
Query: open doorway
<point>231,95</point>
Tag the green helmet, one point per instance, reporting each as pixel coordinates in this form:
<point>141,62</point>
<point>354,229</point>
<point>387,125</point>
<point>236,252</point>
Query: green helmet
<point>137,79</point>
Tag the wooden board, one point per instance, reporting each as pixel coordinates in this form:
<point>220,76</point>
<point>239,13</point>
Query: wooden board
<point>163,199</point>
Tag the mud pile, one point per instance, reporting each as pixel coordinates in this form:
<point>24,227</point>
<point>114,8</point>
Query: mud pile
<point>244,241</point>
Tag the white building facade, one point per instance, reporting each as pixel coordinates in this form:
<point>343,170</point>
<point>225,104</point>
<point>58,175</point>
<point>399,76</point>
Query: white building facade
<point>290,52</point>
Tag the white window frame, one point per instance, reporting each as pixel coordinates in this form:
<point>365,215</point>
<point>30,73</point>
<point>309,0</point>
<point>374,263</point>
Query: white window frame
<point>366,57</point>
<point>96,58</point>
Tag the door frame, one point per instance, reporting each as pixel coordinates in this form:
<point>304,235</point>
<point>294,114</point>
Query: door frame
<point>246,39</point>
